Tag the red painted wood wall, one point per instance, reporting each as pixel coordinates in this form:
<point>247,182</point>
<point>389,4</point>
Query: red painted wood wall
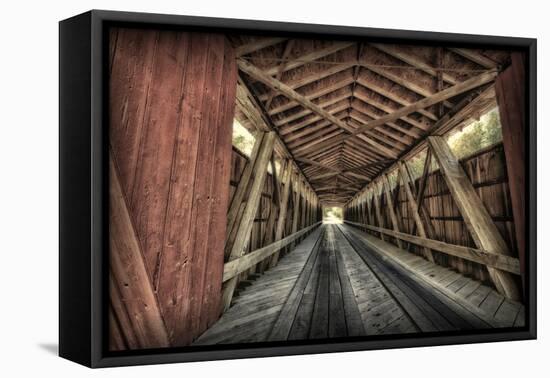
<point>172,99</point>
<point>511,97</point>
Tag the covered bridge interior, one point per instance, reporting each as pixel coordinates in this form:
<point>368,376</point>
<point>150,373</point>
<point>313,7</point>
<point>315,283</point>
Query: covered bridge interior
<point>228,246</point>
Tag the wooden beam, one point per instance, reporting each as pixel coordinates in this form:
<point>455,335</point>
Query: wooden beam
<point>379,220</point>
<point>233,268</point>
<point>240,191</point>
<point>392,96</point>
<point>293,95</point>
<point>391,207</point>
<point>253,111</point>
<point>271,82</point>
<point>237,249</point>
<point>413,207</point>
<point>476,217</point>
<point>358,114</point>
<point>317,164</point>
<point>431,100</point>
<point>347,80</point>
<point>489,259</point>
<point>368,165</point>
<point>256,45</point>
<point>452,118</point>
<point>308,79</point>
<point>396,79</point>
<point>357,175</point>
<point>461,112</point>
<point>337,110</point>
<point>132,293</point>
<point>279,230</point>
<point>280,70</point>
<point>362,96</point>
<point>424,212</point>
<point>475,57</point>
<point>413,61</point>
<point>309,57</point>
<point>424,178</point>
<point>296,187</point>
<point>324,104</point>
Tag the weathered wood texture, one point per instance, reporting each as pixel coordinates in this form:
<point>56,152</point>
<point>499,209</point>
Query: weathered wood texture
<point>476,217</point>
<point>487,172</point>
<point>460,301</point>
<point>172,99</point>
<point>510,92</point>
<point>135,316</point>
<point>268,216</point>
<point>235,247</point>
<point>344,105</point>
<point>342,282</point>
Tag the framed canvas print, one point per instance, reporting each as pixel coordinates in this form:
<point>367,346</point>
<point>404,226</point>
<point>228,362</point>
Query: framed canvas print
<point>234,188</point>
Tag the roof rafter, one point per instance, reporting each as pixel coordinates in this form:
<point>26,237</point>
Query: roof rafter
<point>256,45</point>
<point>258,74</point>
<point>445,94</point>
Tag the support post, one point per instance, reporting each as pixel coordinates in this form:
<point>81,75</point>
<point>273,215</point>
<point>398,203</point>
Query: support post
<point>413,206</point>
<point>379,219</point>
<point>391,208</point>
<point>478,221</point>
<point>279,230</point>
<point>236,207</point>
<point>247,219</point>
<point>295,204</point>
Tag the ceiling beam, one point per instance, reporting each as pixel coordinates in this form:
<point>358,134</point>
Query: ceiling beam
<point>459,113</point>
<point>392,96</point>
<point>280,70</point>
<point>445,94</point>
<point>413,61</point>
<point>364,97</point>
<point>258,74</point>
<point>273,83</point>
<point>317,164</point>
<point>475,57</point>
<point>323,90</point>
<point>308,79</point>
<point>252,110</point>
<point>305,112</point>
<point>396,79</point>
<point>256,45</point>
<point>310,57</point>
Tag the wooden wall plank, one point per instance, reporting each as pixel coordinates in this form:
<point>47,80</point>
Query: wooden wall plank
<point>251,207</point>
<point>391,207</point>
<point>173,98</point>
<point>413,206</point>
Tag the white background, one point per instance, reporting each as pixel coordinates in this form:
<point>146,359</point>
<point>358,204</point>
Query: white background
<point>29,186</point>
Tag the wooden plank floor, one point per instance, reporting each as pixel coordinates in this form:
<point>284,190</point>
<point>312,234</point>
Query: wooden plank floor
<point>340,281</point>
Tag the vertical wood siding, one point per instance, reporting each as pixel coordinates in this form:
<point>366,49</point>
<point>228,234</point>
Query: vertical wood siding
<point>172,99</point>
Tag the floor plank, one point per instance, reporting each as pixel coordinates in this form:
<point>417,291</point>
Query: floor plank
<point>340,281</point>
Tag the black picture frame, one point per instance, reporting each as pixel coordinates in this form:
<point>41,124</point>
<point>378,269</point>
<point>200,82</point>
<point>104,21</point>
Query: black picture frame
<point>83,199</point>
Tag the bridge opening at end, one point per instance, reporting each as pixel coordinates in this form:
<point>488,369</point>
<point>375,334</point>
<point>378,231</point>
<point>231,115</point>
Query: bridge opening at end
<point>332,215</point>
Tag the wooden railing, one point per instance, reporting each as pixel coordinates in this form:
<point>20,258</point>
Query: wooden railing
<point>234,267</point>
<point>493,260</point>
